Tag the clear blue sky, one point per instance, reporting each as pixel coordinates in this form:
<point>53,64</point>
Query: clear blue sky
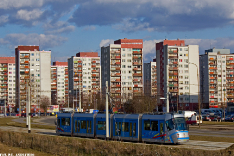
<point>69,26</point>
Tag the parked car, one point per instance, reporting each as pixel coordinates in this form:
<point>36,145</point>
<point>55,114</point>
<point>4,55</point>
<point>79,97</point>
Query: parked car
<point>206,118</point>
<point>24,115</point>
<point>230,118</point>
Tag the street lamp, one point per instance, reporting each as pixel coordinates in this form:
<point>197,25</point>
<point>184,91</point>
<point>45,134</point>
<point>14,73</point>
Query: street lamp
<point>198,93</point>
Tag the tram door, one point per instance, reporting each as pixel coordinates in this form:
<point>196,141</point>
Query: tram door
<point>89,127</point>
<point>161,129</point>
<point>118,128</point>
<point>132,130</point>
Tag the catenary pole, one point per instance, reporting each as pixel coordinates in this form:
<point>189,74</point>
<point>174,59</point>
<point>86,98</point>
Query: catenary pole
<point>107,112</point>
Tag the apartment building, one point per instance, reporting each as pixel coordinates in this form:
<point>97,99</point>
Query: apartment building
<point>33,70</point>
<point>122,68</point>
<point>150,79</point>
<point>217,78</point>
<point>59,83</point>
<point>7,71</point>
<point>177,74</point>
<point>84,77</point>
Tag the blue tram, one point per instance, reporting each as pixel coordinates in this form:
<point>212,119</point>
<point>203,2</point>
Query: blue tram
<point>161,128</point>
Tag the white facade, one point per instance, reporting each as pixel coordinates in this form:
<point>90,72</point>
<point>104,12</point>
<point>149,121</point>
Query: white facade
<point>11,83</point>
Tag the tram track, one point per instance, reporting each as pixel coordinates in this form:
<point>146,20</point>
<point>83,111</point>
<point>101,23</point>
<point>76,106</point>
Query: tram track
<point>194,144</point>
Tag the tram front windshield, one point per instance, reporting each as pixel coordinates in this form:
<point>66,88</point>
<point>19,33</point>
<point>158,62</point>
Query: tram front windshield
<point>180,124</point>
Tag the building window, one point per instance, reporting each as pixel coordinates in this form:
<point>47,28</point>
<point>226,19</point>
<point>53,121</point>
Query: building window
<point>123,60</point>
<point>123,66</point>
<point>123,49</point>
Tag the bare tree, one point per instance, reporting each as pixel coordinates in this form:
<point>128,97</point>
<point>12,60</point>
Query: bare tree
<point>140,104</point>
<point>45,102</point>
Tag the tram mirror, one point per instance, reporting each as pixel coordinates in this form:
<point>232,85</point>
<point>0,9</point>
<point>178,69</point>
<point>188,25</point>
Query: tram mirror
<point>55,122</point>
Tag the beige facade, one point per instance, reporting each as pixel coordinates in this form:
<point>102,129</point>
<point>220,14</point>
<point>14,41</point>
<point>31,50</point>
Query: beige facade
<point>32,70</point>
<point>217,78</point>
<point>84,78</point>
<point>122,67</point>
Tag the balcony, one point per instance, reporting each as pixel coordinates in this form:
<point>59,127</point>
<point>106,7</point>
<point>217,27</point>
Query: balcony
<point>213,78</point>
<point>173,68</point>
<point>137,74</point>
<point>136,57</point>
<point>117,57</point>
<point>212,59</point>
<point>77,80</point>
<point>116,80</point>
<point>136,68</point>
<point>173,57</point>
<point>211,73</point>
<point>137,52</point>
<point>175,62</point>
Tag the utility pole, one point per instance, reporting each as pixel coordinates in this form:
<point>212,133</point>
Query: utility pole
<point>167,94</point>
<point>27,93</point>
<point>107,113</point>
<point>5,107</point>
<point>28,108</point>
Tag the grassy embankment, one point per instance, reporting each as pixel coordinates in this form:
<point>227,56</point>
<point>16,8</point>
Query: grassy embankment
<point>8,122</point>
<point>57,145</point>
<point>4,149</point>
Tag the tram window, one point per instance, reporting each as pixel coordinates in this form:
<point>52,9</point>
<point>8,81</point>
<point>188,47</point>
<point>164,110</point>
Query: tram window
<point>170,124</point>
<point>134,129</point>
<point>83,124</point>
<point>87,129</point>
<point>76,126</point>
<point>130,134</point>
<point>90,126</point>
<point>101,125</point>
<point>125,127</point>
<point>154,125</point>
<point>116,128</point>
<point>147,125</point>
<point>66,121</point>
<point>119,128</point>
<point>161,128</point>
<point>63,121</point>
<point>58,123</point>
